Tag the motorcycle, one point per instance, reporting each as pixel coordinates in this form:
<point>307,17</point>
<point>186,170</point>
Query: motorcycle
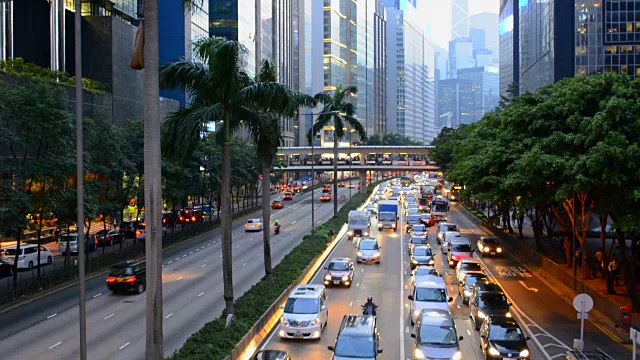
<point>276,227</point>
<point>369,309</point>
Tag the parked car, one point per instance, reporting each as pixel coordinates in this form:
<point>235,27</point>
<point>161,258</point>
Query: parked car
<point>27,256</point>
<point>108,237</point>
<point>90,243</point>
<point>128,277</point>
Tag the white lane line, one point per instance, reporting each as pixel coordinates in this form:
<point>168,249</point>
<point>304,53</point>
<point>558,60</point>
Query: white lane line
<point>52,315</point>
<point>357,284</point>
<point>184,256</point>
<point>220,255</point>
<point>350,303</point>
<point>125,345</point>
<point>197,250</point>
<point>168,316</point>
<point>190,252</point>
<point>401,290</point>
<point>468,332</point>
<point>209,244</point>
<point>202,293</point>
<point>203,246</point>
<point>293,222</point>
<point>406,329</point>
<point>170,262</point>
<point>203,265</point>
<point>96,295</point>
<point>163,265</point>
<point>258,254</point>
<point>54,345</point>
<point>237,246</point>
<point>176,259</point>
<point>110,316</point>
<point>245,264</point>
<point>181,277</point>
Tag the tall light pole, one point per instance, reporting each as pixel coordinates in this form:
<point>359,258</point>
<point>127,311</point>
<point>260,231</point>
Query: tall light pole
<point>80,180</point>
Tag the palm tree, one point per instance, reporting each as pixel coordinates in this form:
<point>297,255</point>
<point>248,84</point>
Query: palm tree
<point>266,132</point>
<point>336,108</point>
<point>219,88</point>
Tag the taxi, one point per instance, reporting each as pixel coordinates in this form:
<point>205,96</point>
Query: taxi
<point>128,277</point>
<point>326,188</point>
<point>277,204</point>
<point>326,197</point>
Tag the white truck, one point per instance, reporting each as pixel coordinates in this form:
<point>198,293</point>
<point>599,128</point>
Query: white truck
<point>358,224</point>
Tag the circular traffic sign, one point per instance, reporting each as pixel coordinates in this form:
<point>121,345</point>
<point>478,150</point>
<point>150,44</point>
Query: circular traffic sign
<point>583,303</point>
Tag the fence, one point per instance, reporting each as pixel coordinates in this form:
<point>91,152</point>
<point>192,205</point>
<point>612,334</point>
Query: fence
<point>622,317</point>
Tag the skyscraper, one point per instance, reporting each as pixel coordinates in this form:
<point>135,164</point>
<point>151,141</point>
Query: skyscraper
<point>509,38</point>
<point>410,72</point>
<point>459,19</point>
<point>485,90</point>
<point>380,69</point>
<point>488,23</point>
<point>460,56</point>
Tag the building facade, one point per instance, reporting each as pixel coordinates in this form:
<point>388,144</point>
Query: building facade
<point>455,101</point>
<point>509,44</point>
<point>459,19</point>
<point>460,56</point>
<point>380,69</point>
<point>485,90</point>
<point>410,74</point>
<point>488,24</point>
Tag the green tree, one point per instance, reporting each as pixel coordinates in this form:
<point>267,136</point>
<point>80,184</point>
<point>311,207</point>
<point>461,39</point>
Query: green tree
<point>336,108</point>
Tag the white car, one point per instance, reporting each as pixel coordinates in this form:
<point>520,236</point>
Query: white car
<point>468,265</point>
<point>421,272</point>
<point>305,313</point>
<point>253,225</point>
<point>28,256</point>
<point>446,240</point>
<point>428,293</point>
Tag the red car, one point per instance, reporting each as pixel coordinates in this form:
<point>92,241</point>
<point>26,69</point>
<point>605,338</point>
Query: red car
<point>277,204</point>
<point>341,184</point>
<point>288,196</point>
<point>297,188</point>
<point>326,188</point>
<point>326,197</point>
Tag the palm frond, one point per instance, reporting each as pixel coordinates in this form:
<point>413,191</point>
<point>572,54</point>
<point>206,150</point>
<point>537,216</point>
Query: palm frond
<point>269,97</point>
<point>338,126</point>
<point>267,72</point>
<point>186,75</point>
<point>322,98</point>
<point>182,129</point>
<point>350,90</point>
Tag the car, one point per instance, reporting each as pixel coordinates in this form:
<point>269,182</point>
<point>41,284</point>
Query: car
<point>90,243</point>
<point>393,197</point>
<point>194,217</point>
<point>372,209</point>
<point>426,219</point>
<point>465,285</point>
<point>413,211</point>
<point>130,276</point>
<point>6,269</point>
<point>460,249</point>
<point>421,255</point>
<point>428,293</point>
<point>340,184</point>
<point>358,337</point>
<point>305,313</point>
<point>489,246</point>
<point>325,197</point>
<point>108,237</point>
<point>412,220</point>
<point>326,188</point>
<point>502,338</point>
<point>339,272</point>
<point>419,230</point>
<point>141,232</point>
<point>420,271</point>
<point>253,225</point>
<point>287,196</point>
<point>442,228</point>
<point>488,303</point>
<point>448,237</point>
<point>297,188</point>
<point>417,241</point>
<point>277,204</point>
<point>128,228</point>
<point>368,251</point>
<point>271,355</point>
<point>27,256</point>
<point>468,265</point>
<point>410,199</point>
<point>436,336</point>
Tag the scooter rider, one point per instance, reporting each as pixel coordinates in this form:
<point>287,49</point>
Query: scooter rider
<point>369,308</point>
<point>276,227</point>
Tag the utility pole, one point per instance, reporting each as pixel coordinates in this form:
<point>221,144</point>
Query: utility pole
<point>80,179</point>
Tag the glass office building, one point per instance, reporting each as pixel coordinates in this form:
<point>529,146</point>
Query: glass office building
<point>509,40</point>
<point>455,103</point>
<point>485,90</point>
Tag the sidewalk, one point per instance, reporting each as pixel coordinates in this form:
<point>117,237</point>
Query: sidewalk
<point>608,318</point>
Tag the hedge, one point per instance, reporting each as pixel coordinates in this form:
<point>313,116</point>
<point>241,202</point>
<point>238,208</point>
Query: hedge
<point>214,341</point>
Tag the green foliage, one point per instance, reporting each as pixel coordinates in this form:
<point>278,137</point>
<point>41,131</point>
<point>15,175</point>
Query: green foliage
<point>214,341</point>
<point>18,68</point>
<point>392,140</point>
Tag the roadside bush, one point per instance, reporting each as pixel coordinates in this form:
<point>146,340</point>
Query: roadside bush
<point>215,342</point>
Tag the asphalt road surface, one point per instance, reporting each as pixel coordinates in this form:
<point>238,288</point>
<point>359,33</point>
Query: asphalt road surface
<point>548,319</point>
<point>47,328</point>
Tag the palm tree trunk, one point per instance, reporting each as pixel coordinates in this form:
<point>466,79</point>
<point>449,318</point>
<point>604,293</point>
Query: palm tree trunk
<point>266,218</point>
<point>335,174</point>
<point>152,184</point>
<point>226,218</point>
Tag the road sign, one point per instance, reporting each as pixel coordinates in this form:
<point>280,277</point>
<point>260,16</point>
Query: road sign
<point>583,303</point>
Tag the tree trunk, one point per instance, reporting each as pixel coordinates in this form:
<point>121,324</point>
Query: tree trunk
<point>335,173</point>
<point>266,219</point>
<point>520,220</point>
<point>152,184</point>
<point>16,256</point>
<point>226,218</point>
<point>39,241</point>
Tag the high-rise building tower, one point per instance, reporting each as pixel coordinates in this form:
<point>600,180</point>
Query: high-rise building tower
<point>459,19</point>
<point>460,56</point>
<point>509,38</point>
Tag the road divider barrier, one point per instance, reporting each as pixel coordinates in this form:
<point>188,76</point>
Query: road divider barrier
<point>257,312</point>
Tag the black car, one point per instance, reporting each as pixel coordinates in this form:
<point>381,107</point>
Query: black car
<point>421,255</point>
<point>502,338</point>
<point>108,237</point>
<point>128,277</point>
<point>489,246</point>
<point>271,355</point>
<point>465,286</point>
<point>128,229</point>
<point>6,269</point>
<point>486,304</point>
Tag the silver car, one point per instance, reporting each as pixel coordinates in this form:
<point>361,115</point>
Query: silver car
<point>368,251</point>
<point>436,336</point>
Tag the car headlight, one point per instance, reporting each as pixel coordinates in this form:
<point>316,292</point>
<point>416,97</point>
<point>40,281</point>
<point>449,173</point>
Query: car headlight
<point>418,354</point>
<point>499,250</point>
<point>508,314</point>
<point>486,249</point>
<point>439,235</point>
<point>349,232</point>
<point>366,233</point>
<point>359,253</point>
<point>345,278</point>
<point>431,262</point>
<point>524,353</point>
<point>376,255</point>
<point>416,312</point>
<point>327,277</point>
<point>284,321</point>
<point>414,261</point>
<point>481,315</point>
<point>493,351</point>
<point>393,226</point>
<point>467,292</point>
<point>457,356</point>
<point>316,321</point>
<point>450,262</point>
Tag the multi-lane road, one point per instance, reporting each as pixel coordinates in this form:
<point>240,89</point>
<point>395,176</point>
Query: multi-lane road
<point>547,318</point>
<point>47,328</point>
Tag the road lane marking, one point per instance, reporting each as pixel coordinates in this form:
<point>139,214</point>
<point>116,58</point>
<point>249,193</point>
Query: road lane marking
<point>237,246</point>
<point>181,277</point>
<point>190,252</point>
<point>406,287</point>
<point>245,264</point>
<point>350,303</point>
<point>526,287</point>
<point>202,293</point>
<point>163,265</point>
<point>54,345</point>
<point>52,315</point>
<point>125,345</point>
<point>203,265</point>
<point>96,295</point>
<point>401,290</point>
<point>176,259</point>
<point>184,256</point>
<point>357,284</point>
<point>220,255</point>
<point>109,316</point>
<point>168,316</point>
<point>468,332</point>
<point>294,221</point>
<point>170,262</point>
<point>258,254</point>
<point>197,250</point>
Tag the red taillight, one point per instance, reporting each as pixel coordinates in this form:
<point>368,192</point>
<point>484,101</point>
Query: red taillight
<point>111,279</point>
<point>181,218</point>
<point>131,279</point>
<point>164,221</point>
<point>108,238</point>
<point>138,232</point>
<point>193,218</point>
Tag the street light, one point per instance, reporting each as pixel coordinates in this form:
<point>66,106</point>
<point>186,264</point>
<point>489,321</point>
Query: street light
<point>313,175</point>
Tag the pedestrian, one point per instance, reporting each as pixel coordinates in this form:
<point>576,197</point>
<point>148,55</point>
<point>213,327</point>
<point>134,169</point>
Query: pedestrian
<point>56,234</point>
<point>614,269</point>
<point>599,257</point>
